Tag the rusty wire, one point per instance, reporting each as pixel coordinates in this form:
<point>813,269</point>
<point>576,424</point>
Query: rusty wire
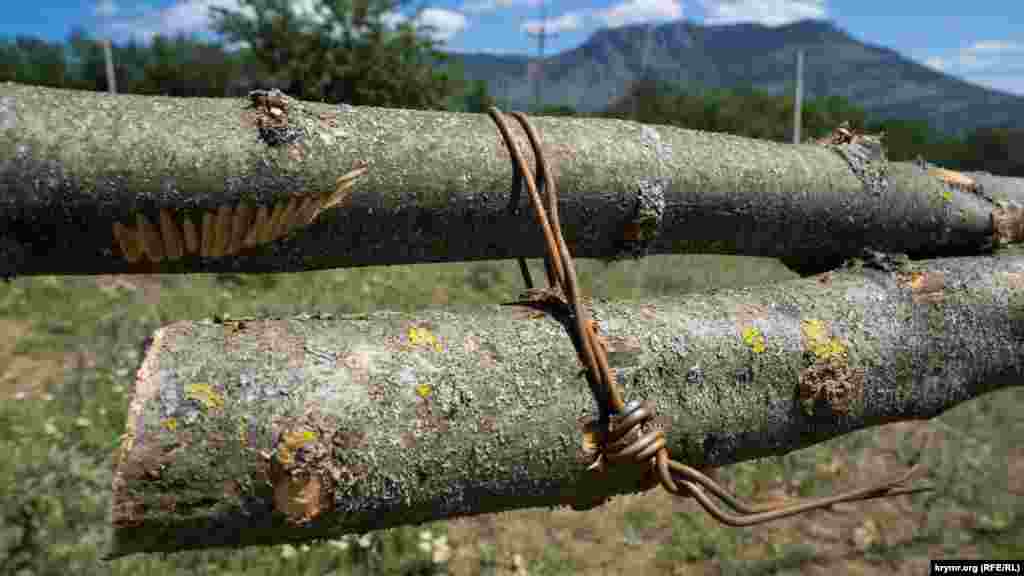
<point>624,429</point>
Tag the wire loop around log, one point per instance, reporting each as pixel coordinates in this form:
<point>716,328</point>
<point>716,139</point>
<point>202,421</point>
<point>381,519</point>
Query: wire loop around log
<point>624,430</point>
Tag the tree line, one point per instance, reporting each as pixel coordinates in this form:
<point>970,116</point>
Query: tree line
<point>357,54</point>
<point>756,114</point>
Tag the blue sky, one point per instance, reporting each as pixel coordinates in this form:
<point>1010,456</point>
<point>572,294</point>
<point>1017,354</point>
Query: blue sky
<point>977,41</point>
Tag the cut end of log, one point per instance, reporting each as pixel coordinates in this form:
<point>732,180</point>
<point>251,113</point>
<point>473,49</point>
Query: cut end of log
<point>955,179</point>
<point>1008,223</point>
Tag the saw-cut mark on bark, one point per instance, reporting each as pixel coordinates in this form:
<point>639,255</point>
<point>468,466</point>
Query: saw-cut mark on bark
<point>925,287</point>
<point>300,492</point>
<point>640,232</point>
<point>827,381</point>
<point>864,153</point>
<point>1008,223</point>
<point>227,230</point>
<point>271,108</point>
<point>955,179</point>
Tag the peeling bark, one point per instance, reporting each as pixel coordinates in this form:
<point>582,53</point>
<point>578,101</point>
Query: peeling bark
<point>266,431</point>
<point>94,183</point>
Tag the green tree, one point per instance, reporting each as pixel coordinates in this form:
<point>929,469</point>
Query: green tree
<point>31,60</point>
<point>86,59</point>
<point>820,116</point>
<point>996,150</point>
<point>89,65</point>
<point>188,67</point>
<point>906,139</point>
<point>348,52</point>
<point>478,98</point>
<point>556,110</point>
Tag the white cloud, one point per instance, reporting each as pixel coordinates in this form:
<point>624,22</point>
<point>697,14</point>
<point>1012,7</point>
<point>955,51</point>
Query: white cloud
<point>1011,84</point>
<point>989,56</point>
<point>995,63</point>
<point>443,23</point>
<point>767,12</point>
<point>193,17</point>
<point>484,6</point>
<point>184,17</point>
<point>995,46</point>
<point>565,23</point>
<point>105,8</point>
<point>636,11</point>
<point>392,19</point>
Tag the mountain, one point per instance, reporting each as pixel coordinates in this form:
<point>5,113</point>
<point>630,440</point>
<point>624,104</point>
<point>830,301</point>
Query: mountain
<point>884,83</point>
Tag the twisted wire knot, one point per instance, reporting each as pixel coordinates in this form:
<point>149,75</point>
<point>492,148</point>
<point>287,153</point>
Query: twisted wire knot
<point>623,428</point>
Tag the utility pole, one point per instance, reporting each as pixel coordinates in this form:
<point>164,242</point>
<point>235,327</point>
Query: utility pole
<point>538,68</point>
<point>799,97</point>
<point>109,57</point>
<point>108,52</point>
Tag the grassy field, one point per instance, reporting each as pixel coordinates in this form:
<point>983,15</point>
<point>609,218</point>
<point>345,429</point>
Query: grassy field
<point>69,348</point>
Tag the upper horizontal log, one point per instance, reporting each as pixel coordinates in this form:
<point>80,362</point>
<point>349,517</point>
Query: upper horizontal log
<point>271,430</point>
<point>93,183</point>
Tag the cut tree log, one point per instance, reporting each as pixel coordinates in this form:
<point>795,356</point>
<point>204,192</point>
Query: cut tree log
<point>95,183</point>
<point>265,431</point>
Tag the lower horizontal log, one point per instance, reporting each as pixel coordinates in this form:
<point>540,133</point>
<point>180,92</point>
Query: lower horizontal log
<point>264,431</point>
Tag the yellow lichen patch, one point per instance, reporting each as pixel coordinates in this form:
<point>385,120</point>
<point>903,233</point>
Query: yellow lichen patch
<point>753,338</point>
<point>819,342</point>
<point>291,442</point>
<point>205,395</point>
<point>827,378</point>
<point>421,336</point>
<point>170,424</point>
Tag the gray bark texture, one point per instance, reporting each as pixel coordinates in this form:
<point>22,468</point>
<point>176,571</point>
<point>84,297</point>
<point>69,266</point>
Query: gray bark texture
<point>265,431</point>
<point>94,183</point>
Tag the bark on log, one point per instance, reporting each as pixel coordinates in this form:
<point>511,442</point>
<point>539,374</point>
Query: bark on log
<point>260,431</point>
<point>94,183</point>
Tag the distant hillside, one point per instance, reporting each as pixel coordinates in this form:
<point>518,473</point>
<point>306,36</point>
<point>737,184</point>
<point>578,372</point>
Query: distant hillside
<point>878,79</point>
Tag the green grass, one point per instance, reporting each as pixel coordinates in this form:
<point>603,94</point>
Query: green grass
<point>75,343</point>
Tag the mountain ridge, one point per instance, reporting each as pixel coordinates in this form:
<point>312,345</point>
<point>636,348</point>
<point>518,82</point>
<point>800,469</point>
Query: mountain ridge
<point>886,84</point>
